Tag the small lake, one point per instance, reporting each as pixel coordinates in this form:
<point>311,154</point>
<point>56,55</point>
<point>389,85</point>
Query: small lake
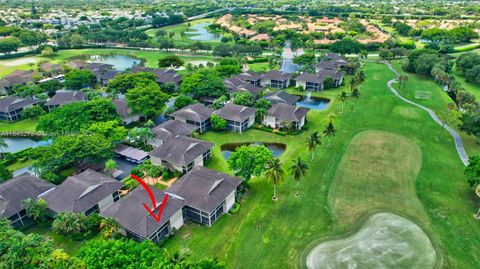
<point>16,144</point>
<point>315,103</point>
<point>276,148</point>
<point>119,62</point>
<point>200,33</point>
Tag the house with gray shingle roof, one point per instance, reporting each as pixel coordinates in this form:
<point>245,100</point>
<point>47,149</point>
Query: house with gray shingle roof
<point>280,114</point>
<point>17,189</point>
<point>281,97</point>
<point>195,114</point>
<point>332,61</point>
<point>18,77</point>
<point>161,76</point>
<point>276,79</point>
<point>315,82</point>
<point>181,153</point>
<point>65,97</point>
<point>11,107</point>
<point>235,84</point>
<point>251,77</point>
<point>239,118</point>
<point>88,192</point>
<point>124,111</point>
<point>207,194</point>
<point>138,224</point>
<point>171,128</point>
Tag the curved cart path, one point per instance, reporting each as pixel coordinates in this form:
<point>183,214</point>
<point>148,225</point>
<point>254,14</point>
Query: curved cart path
<point>456,137</point>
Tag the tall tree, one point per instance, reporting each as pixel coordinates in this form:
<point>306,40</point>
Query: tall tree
<point>79,79</point>
<point>298,170</point>
<point>147,100</point>
<point>5,174</point>
<point>312,142</point>
<point>249,160</point>
<point>329,131</point>
<point>343,98</point>
<point>275,173</point>
<point>472,171</point>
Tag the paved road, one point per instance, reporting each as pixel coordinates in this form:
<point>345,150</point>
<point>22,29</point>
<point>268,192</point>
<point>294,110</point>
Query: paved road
<point>456,137</point>
<point>287,65</point>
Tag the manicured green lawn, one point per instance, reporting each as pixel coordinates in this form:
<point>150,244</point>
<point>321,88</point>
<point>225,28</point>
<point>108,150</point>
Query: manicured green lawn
<point>27,125</point>
<point>425,91</point>
<point>151,57</point>
<point>185,27</point>
<point>259,67</point>
<point>70,246</point>
<point>267,234</point>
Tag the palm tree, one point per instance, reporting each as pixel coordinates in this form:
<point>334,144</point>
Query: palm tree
<point>355,93</point>
<point>329,131</point>
<point>286,125</point>
<point>360,77</point>
<point>312,142</point>
<point>343,98</point>
<point>275,173</point>
<point>299,169</point>
<point>353,83</point>
<point>3,145</point>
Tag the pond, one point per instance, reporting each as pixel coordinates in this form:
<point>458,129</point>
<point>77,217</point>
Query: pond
<point>315,103</point>
<point>200,33</point>
<point>119,62</point>
<point>16,144</point>
<point>276,148</point>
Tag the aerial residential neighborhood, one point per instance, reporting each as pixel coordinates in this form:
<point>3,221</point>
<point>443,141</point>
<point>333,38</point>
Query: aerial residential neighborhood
<point>239,134</point>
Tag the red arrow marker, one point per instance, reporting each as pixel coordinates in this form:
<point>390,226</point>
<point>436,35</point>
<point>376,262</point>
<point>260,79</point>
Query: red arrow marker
<point>152,198</point>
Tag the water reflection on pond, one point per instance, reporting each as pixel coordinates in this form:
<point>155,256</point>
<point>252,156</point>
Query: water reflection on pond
<point>200,33</point>
<point>119,62</point>
<point>16,144</point>
<point>315,103</point>
<point>276,148</point>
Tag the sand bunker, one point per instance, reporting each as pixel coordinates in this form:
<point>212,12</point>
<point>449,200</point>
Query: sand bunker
<point>384,241</point>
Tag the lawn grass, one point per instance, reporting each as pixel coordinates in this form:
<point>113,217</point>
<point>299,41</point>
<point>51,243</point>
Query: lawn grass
<point>177,29</point>
<point>150,57</point>
<point>267,234</point>
<point>27,125</point>
<point>425,91</point>
<point>70,246</point>
<point>259,67</point>
<point>383,164</point>
<point>19,165</point>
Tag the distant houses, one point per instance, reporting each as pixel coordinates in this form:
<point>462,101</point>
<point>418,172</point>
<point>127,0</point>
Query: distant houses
<point>17,189</point>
